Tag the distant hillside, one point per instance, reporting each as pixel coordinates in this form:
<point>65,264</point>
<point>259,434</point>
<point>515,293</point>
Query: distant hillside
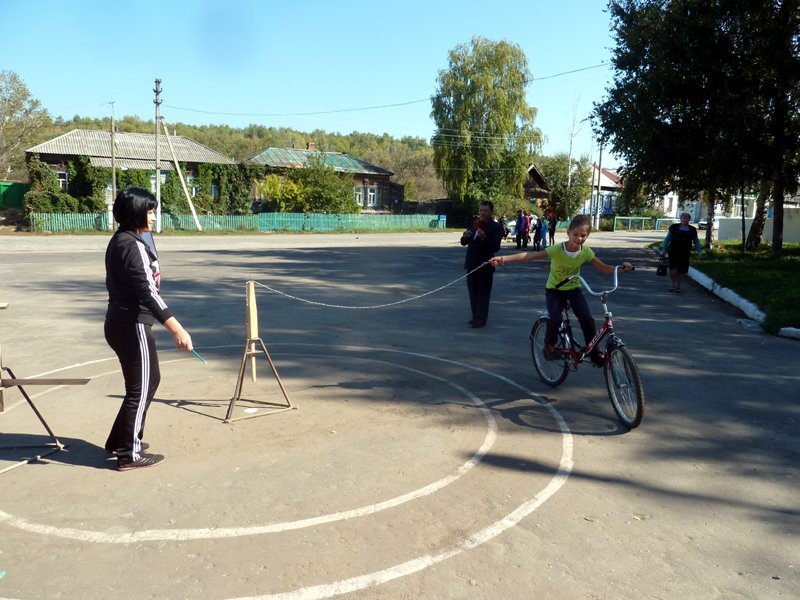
<point>409,158</point>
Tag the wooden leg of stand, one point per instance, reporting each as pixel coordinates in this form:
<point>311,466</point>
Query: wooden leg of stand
<point>237,393</point>
<point>275,372</point>
<point>253,361</point>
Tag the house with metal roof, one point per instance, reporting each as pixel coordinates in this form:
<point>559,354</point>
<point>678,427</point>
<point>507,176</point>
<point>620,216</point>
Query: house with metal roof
<point>131,151</point>
<point>372,186</point>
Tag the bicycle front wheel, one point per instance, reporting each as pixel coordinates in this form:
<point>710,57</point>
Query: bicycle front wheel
<point>624,386</point>
<point>552,372</point>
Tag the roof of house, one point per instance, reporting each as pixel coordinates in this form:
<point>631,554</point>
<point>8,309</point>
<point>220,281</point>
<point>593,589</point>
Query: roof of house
<point>536,185</point>
<point>536,175</point>
<point>133,150</point>
<point>608,179</point>
<point>290,158</point>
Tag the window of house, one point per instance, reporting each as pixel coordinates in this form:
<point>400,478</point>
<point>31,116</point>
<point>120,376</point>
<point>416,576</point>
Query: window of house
<point>63,180</point>
<point>214,190</point>
<point>190,184</point>
<point>372,197</point>
<point>358,191</point>
<point>153,181</point>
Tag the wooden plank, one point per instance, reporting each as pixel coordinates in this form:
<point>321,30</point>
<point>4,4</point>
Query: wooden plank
<point>3,305</point>
<point>18,381</point>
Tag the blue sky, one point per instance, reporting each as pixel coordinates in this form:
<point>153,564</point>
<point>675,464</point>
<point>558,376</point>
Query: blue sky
<point>238,62</point>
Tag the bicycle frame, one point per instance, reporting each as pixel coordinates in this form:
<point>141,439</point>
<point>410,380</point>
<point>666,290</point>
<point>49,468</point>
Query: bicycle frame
<point>575,354</point>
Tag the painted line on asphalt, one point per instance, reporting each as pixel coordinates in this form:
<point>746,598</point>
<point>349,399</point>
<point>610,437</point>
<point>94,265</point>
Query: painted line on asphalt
<point>230,532</point>
<point>379,577</point>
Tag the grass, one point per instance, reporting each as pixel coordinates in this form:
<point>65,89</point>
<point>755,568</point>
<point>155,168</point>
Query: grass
<point>772,284</point>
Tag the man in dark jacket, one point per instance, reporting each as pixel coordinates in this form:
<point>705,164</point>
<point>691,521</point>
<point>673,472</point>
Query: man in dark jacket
<point>482,241</point>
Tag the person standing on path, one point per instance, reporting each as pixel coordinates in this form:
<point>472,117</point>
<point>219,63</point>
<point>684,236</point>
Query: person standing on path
<point>519,228</point>
<point>552,223</point>
<point>482,241</point>
<point>134,304</point>
<point>678,247</point>
<point>544,226</point>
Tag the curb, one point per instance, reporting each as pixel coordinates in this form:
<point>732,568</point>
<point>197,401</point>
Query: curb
<point>731,297</point>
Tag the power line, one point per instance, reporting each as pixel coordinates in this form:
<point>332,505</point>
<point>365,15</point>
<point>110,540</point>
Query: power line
<point>569,72</point>
<point>111,95</point>
<point>361,108</point>
<point>299,114</point>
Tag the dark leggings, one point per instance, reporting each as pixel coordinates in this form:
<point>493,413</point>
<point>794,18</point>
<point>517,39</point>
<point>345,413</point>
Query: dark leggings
<point>136,349</point>
<point>555,300</point>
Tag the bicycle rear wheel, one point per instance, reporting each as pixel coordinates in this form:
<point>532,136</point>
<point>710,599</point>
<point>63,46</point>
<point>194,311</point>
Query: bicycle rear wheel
<point>552,372</point>
<point>624,386</point>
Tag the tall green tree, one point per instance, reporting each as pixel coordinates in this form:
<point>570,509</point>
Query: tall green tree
<point>21,117</point>
<point>485,135</point>
<point>705,96</point>
<point>569,184</point>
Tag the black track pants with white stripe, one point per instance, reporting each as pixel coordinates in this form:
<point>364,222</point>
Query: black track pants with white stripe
<point>136,350</point>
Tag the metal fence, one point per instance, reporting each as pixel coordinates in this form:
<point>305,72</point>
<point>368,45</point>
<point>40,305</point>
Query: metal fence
<point>60,222</point>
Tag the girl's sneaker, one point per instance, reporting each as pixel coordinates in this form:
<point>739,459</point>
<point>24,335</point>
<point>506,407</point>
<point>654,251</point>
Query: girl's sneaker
<point>551,352</point>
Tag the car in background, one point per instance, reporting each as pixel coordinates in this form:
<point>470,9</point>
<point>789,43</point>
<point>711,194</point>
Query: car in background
<point>702,224</point>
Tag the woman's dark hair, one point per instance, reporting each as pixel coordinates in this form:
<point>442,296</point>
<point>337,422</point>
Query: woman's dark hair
<point>131,206</point>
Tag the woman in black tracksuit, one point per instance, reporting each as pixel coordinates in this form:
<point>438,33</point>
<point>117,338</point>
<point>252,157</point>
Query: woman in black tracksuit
<point>134,304</point>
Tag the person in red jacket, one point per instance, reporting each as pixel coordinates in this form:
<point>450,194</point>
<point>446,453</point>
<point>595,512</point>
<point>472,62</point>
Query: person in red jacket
<point>134,304</point>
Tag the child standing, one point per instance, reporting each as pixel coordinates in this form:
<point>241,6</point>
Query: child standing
<point>566,260</point>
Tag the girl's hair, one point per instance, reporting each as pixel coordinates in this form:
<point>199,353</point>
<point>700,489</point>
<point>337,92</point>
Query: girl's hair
<point>685,214</point>
<point>131,206</point>
<point>580,221</point>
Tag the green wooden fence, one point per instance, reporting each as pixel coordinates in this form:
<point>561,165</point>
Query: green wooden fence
<point>60,222</point>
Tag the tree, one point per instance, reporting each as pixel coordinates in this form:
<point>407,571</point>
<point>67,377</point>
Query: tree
<point>323,189</point>
<point>484,126</point>
<point>21,116</point>
<point>569,185</point>
<point>279,194</point>
<point>411,161</point>
<point>705,96</point>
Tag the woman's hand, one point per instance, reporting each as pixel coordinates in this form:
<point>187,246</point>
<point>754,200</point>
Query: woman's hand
<point>497,261</point>
<point>183,341</point>
<point>626,266</point>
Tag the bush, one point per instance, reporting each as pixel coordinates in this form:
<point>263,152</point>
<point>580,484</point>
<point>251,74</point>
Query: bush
<point>48,202</point>
<point>91,204</point>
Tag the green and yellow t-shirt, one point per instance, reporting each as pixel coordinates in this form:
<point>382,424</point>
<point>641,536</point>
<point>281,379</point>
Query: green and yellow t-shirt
<point>564,264</point>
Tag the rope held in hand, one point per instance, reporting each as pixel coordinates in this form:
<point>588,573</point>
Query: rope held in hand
<point>417,297</point>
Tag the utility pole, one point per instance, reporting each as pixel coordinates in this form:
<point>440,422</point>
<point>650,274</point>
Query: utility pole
<point>596,218</point>
<point>109,205</point>
<point>572,133</point>
<point>157,102</point>
<point>113,155</point>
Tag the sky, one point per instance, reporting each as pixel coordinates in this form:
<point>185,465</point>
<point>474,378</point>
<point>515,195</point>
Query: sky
<point>343,66</point>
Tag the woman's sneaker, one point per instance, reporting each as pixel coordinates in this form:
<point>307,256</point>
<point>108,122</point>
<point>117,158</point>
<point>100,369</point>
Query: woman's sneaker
<point>144,460</point>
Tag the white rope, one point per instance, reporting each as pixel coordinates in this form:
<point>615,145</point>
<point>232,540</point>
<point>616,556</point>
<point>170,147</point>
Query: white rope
<point>272,289</point>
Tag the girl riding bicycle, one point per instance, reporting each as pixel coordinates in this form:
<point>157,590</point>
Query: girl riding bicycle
<point>566,260</point>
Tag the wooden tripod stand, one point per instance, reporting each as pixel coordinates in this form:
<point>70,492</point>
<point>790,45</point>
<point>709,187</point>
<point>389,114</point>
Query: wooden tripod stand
<point>252,348</point>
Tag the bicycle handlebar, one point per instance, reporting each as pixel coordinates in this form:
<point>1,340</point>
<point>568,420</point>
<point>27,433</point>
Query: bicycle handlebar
<point>588,287</point>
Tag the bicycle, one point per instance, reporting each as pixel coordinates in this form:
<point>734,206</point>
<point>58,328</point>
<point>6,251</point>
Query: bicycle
<point>623,381</point>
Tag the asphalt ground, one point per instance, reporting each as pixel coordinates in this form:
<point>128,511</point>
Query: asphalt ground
<point>424,460</point>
